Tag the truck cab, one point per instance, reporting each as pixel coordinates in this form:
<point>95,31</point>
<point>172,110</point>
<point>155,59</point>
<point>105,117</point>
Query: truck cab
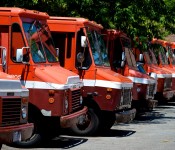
<point>55,94</point>
<point>164,56</point>
<point>106,93</point>
<point>148,61</point>
<point>14,99</point>
<point>122,60</point>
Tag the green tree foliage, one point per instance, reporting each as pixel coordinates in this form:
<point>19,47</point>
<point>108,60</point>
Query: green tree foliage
<point>153,18</point>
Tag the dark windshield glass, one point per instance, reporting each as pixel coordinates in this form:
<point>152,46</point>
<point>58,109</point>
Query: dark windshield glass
<point>159,53</point>
<point>99,50</point>
<point>125,42</point>
<point>40,42</point>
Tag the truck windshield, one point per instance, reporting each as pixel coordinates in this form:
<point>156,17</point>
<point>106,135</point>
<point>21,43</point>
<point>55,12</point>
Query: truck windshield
<point>162,56</point>
<point>99,50</point>
<point>125,42</point>
<point>40,42</point>
<point>152,57</point>
<point>130,58</point>
<point>171,55</point>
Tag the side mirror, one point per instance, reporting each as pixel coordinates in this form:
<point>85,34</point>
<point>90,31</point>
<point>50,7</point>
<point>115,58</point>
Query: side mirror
<point>141,57</point>
<point>123,56</point>
<point>153,75</point>
<point>3,56</point>
<point>57,51</point>
<point>83,41</point>
<point>80,57</point>
<point>21,56</point>
<point>122,64</point>
<point>167,54</point>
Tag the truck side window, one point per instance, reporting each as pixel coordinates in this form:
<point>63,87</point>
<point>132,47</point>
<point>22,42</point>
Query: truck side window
<point>84,50</point>
<point>60,42</point>
<point>17,40</point>
<point>117,54</point>
<point>4,42</point>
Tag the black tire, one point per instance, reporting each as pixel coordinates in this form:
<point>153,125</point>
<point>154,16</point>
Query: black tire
<point>34,140</point>
<point>31,142</point>
<point>107,121</point>
<point>88,127</point>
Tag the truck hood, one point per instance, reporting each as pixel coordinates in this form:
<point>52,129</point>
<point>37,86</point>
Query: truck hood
<point>58,77</point>
<point>11,86</point>
<point>139,77</point>
<point>105,77</point>
<point>159,71</point>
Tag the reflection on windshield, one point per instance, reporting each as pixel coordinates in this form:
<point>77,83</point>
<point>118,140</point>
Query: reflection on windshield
<point>98,47</point>
<point>40,42</point>
<point>141,68</point>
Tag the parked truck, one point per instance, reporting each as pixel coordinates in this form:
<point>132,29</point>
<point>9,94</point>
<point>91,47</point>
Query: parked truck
<point>164,56</point>
<point>122,60</point>
<point>147,60</point>
<point>55,98</point>
<point>14,99</point>
<point>107,94</point>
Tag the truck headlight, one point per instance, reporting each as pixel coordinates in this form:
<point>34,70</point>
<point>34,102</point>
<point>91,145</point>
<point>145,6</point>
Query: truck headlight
<point>24,112</point>
<point>66,104</point>
<point>81,100</point>
<point>138,89</point>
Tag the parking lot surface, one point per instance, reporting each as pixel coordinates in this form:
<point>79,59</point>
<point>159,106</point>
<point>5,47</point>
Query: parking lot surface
<point>151,131</point>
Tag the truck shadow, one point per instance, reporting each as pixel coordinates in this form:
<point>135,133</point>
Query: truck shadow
<point>154,117</point>
<point>167,104</point>
<point>58,142</point>
<point>63,142</point>
<point>116,133</point>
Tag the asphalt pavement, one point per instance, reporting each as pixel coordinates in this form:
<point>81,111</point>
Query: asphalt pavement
<point>153,130</point>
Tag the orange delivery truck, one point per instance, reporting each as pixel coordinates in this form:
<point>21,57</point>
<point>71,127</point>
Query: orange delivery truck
<point>122,60</point>
<point>106,93</point>
<point>14,99</point>
<point>55,93</point>
<point>163,51</point>
<point>146,59</point>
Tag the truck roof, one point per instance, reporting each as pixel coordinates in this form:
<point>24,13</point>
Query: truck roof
<point>74,20</point>
<point>22,12</point>
<point>113,33</point>
<point>163,42</point>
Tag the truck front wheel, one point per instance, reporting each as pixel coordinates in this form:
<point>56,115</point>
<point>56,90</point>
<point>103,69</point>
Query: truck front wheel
<point>32,141</point>
<point>88,126</point>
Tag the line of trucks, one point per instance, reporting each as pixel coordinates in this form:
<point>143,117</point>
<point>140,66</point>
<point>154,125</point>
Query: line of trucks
<point>67,72</point>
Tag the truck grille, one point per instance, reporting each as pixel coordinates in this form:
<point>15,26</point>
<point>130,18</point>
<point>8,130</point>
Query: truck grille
<point>150,90</point>
<point>11,111</point>
<point>168,83</point>
<point>76,100</point>
<point>126,96</point>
